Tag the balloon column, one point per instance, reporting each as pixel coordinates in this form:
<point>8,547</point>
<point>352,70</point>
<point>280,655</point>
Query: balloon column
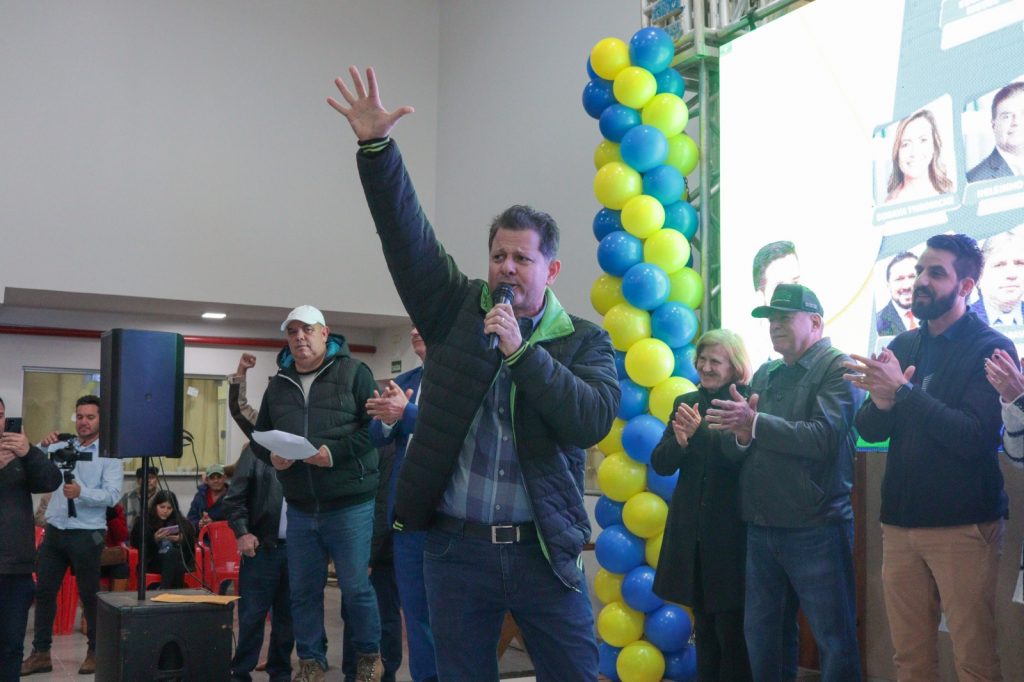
<point>647,295</point>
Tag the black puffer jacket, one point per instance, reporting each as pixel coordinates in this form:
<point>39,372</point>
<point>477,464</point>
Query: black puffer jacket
<point>565,392</point>
<point>335,416</point>
<point>22,476</point>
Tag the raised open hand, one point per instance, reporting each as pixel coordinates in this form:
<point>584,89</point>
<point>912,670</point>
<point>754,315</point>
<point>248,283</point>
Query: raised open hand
<point>367,116</point>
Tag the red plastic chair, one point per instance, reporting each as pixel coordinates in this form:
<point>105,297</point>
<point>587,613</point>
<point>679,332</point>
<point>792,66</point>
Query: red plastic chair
<point>152,579</point>
<point>218,552</point>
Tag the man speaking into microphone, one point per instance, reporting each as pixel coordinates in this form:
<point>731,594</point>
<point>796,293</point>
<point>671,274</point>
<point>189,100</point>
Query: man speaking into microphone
<point>494,470</point>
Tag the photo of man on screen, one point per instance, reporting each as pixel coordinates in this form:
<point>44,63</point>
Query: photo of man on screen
<point>775,263</point>
<point>1001,286</point>
<point>1007,157</point>
<point>896,317</point>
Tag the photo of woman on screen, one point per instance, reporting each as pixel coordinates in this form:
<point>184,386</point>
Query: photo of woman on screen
<point>917,168</point>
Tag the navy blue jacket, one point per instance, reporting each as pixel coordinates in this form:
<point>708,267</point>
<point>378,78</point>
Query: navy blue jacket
<point>942,468</point>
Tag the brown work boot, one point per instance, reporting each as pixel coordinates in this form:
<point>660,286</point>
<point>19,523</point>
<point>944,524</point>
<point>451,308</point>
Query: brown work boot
<point>88,666</point>
<point>38,662</point>
<point>367,668</point>
<point>310,671</point>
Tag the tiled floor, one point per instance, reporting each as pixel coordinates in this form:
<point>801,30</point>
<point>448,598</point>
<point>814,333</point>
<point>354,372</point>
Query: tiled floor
<point>68,651</point>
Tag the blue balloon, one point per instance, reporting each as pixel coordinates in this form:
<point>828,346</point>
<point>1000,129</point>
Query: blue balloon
<point>689,261</point>
<point>686,358</point>
<point>617,120</point>
<point>608,512</point>
<point>652,49</point>
<point>669,81</point>
<point>668,628</point>
<point>662,486</point>
<point>640,435</point>
<point>664,183</point>
<point>618,550</point>
<point>590,70</point>
<point>634,399</point>
<point>646,286</point>
<point>620,365</point>
<point>597,96</point>
<point>644,147</point>
<point>681,666</point>
<point>674,323</point>
<point>682,217</point>
<point>638,590</point>
<point>607,655</point>
<point>606,221</point>
<point>618,252</point>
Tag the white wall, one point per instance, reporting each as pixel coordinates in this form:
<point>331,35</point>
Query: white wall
<point>144,144</point>
<point>512,130</point>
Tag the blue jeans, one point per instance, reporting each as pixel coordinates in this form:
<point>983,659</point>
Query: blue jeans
<point>16,593</point>
<point>816,566</point>
<point>408,547</point>
<point>472,583</point>
<point>263,585</point>
<point>344,536</point>
<point>383,580</point>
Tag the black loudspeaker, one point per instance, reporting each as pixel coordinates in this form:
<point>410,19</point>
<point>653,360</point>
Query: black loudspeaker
<point>142,380</point>
<point>140,641</point>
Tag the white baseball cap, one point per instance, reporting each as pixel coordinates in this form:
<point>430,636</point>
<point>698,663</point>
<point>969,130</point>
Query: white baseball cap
<point>306,314</point>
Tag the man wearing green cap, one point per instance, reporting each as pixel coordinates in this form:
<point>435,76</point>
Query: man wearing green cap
<point>795,438</point>
<point>206,505</point>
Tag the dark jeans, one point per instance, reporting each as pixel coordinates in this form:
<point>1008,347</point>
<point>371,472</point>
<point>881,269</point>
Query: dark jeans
<point>413,595</point>
<point>263,586</point>
<point>383,580</point>
<point>16,592</point>
<point>471,584</point>
<point>170,564</point>
<point>815,564</point>
<point>79,549</point>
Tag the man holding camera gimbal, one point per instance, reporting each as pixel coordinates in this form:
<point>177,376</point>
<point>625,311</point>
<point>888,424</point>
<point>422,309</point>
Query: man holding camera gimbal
<point>75,530</point>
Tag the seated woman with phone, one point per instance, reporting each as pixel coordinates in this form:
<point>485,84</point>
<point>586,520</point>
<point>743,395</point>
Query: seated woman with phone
<point>170,541</point>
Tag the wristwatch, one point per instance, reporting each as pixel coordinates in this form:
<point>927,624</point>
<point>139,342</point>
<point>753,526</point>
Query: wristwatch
<point>903,392</point>
<point>1019,402</point>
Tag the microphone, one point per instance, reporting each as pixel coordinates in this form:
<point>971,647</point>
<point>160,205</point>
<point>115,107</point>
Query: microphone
<point>502,294</point>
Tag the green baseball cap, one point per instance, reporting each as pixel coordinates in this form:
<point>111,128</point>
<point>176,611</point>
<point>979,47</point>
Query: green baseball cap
<point>790,298</point>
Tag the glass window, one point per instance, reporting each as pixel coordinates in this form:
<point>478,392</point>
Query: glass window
<point>48,404</point>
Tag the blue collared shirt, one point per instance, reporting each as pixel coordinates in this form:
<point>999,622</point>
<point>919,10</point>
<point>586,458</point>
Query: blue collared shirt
<point>487,484</point>
<point>101,479</point>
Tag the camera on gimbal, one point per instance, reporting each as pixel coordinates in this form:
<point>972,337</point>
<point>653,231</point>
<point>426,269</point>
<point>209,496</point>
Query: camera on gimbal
<point>66,458</point>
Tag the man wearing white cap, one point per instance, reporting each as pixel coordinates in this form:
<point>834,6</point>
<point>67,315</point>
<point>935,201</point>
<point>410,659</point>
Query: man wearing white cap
<point>320,393</point>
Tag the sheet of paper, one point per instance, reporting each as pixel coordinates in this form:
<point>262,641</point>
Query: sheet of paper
<point>287,445</point>
<point>195,598</point>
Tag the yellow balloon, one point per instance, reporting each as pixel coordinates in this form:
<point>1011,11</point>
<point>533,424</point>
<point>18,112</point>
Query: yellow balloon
<point>686,287</point>
<point>640,662</point>
<point>626,325</point>
<point>606,152</point>
<point>608,586</point>
<point>667,113</point>
<point>668,249</point>
<point>634,87</point>
<point>620,477</point>
<point>642,216</point>
<point>682,153</point>
<point>644,515</point>
<point>605,293</point>
<point>616,183</point>
<point>612,442</point>
<point>652,550</point>
<point>663,396</point>
<point>608,57</point>
<point>649,362</point>
<point>620,625</point>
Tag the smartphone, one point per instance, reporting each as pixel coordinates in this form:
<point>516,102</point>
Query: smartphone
<point>12,425</point>
<point>171,530</point>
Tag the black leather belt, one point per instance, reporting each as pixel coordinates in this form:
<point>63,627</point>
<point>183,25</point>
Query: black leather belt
<point>505,534</point>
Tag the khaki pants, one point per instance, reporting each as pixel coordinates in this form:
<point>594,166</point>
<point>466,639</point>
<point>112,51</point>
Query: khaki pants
<point>953,569</point>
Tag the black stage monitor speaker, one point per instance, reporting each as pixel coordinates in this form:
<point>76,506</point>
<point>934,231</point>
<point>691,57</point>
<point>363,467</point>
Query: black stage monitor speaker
<point>145,641</point>
<point>142,378</point>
